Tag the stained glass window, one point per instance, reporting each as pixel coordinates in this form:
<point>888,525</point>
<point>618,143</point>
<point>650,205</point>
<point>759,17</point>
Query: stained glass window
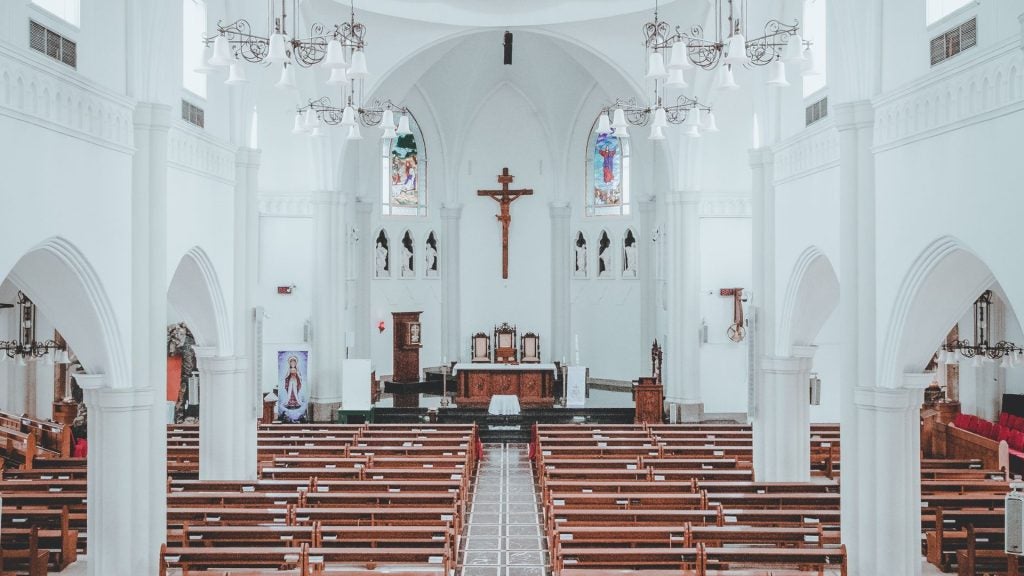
<point>404,169</point>
<point>607,175</point>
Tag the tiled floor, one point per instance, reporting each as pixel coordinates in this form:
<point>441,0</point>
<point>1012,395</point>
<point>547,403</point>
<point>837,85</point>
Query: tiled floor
<point>504,535</point>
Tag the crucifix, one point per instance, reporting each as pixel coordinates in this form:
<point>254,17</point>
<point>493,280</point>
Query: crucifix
<point>504,198</point>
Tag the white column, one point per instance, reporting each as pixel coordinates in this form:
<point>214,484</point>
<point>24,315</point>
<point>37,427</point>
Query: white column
<point>149,311</point>
<point>119,490</point>
<point>329,289</point>
<point>888,484</point>
<point>763,235</point>
<point>782,427</point>
<point>225,420</point>
<point>247,165</point>
<point>648,278</point>
<point>682,351</point>
<point>362,319</point>
<point>856,302</point>
<point>561,308</point>
<point>451,344</point>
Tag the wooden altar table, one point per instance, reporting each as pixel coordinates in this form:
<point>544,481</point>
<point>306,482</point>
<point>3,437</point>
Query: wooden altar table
<point>534,384</point>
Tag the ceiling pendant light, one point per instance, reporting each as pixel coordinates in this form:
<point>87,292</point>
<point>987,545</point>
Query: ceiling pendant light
<point>236,75</point>
<point>710,126</point>
<point>656,133</point>
<point>808,67</point>
<point>656,67</point>
<point>619,120</point>
<point>1006,363</point>
<point>777,75</point>
<point>300,125</point>
<point>604,125</point>
<point>277,52</point>
<point>318,132</point>
<point>312,121</point>
<point>348,117</point>
<point>338,77</point>
<point>389,133</point>
<point>204,66</point>
<point>726,81</point>
<point>353,132</point>
<point>387,120</point>
<point>660,118</point>
<point>403,126</point>
<point>676,79</point>
<point>794,49</point>
<point>221,53</point>
<point>287,80</point>
<point>679,59</point>
<point>335,55</point>
<point>358,70</point>
<point>736,52</point>
<point>692,123</point>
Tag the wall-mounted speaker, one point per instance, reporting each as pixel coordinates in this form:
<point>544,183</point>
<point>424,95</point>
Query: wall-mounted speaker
<point>1014,519</point>
<point>508,48</point>
<point>814,386</point>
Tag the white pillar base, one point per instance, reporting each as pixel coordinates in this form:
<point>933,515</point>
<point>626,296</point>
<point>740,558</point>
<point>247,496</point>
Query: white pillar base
<point>887,537</point>
<point>120,517</point>
<point>782,424</point>
<point>227,429</point>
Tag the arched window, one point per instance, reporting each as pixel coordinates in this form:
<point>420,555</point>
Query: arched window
<point>382,256</point>
<point>193,28</point>
<point>430,265</point>
<point>604,256</point>
<point>630,256</point>
<point>607,175</point>
<point>407,256</point>
<point>404,174</point>
<point>580,245</point>
<point>813,29</point>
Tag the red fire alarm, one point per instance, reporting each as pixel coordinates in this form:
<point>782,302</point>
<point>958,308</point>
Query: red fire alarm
<point>380,326</point>
<point>285,289</point>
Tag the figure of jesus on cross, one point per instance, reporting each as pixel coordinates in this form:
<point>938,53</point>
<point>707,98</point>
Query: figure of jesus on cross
<point>504,198</point>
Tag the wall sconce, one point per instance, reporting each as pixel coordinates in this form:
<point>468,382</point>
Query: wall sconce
<point>380,326</point>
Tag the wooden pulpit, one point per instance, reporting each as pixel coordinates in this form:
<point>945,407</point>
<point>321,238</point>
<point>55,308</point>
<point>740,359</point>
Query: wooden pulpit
<point>406,358</point>
<point>648,395</point>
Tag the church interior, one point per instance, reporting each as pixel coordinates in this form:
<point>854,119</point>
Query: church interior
<point>532,288</point>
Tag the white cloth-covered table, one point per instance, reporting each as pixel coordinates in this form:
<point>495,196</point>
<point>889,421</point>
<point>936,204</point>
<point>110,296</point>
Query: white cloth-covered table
<point>547,367</point>
<point>504,405</point>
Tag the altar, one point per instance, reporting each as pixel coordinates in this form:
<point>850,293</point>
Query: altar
<point>534,384</point>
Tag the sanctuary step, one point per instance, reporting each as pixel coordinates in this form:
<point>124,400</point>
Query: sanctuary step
<point>498,429</point>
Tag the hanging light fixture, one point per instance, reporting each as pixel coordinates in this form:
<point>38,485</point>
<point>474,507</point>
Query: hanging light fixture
<point>377,113</point>
<point>982,350</point>
<point>26,347</point>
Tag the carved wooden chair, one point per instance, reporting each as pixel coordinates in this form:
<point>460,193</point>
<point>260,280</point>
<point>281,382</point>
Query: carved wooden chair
<point>505,351</point>
<point>480,348</point>
<point>529,348</point>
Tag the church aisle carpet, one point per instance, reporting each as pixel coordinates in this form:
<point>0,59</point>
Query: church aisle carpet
<point>504,535</point>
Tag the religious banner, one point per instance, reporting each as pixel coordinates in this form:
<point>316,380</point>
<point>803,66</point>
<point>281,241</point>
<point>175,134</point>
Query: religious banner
<point>293,386</point>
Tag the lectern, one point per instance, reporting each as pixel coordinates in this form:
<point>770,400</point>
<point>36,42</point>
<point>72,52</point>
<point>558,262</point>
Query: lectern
<point>406,357</point>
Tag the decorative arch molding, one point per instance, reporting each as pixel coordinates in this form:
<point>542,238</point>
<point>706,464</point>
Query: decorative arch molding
<point>195,293</point>
<point>812,295</point>
<point>941,284</point>
<point>62,283</point>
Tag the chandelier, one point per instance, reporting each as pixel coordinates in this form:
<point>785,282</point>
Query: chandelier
<point>777,44</point>
<point>1012,355</point>
<point>378,112</point>
<point>26,347</point>
<point>327,46</point>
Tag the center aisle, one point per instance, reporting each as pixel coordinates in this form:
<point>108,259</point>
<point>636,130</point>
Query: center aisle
<point>505,531</point>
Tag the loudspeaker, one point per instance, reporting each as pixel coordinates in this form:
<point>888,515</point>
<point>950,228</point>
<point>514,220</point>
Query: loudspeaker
<point>508,48</point>
<point>815,390</point>
<point>1014,518</point>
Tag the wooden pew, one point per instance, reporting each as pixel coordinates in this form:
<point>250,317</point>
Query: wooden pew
<point>31,557</point>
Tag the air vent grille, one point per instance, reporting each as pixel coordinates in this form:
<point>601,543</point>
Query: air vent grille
<point>954,41</point>
<point>42,39</point>
<point>192,114</point>
<point>816,111</point>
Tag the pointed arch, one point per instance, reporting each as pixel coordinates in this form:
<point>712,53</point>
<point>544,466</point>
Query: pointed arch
<point>196,295</point>
<point>812,295</point>
<point>604,255</point>
<point>431,256</point>
<point>382,254</point>
<point>630,254</point>
<point>406,251</point>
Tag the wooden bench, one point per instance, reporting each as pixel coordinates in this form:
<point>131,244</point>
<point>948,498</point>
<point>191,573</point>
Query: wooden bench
<point>26,555</point>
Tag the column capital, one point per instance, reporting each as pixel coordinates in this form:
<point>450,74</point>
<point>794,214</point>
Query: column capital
<point>785,364</point>
<point>878,399</point>
<point>117,399</point>
<point>451,211</point>
<point>328,198</point>
<point>851,115</point>
<point>560,209</point>
<point>685,197</point>
<point>762,156</point>
<point>208,361</point>
<point>248,157</point>
<point>152,116</point>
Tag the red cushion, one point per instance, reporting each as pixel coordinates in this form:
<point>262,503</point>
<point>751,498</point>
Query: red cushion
<point>960,421</point>
<point>1017,440</point>
<point>1004,419</point>
<point>1003,433</point>
<point>1017,423</point>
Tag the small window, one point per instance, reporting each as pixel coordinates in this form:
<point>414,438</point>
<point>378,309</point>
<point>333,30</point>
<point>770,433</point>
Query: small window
<point>607,175</point>
<point>938,9</point>
<point>193,27</point>
<point>814,30</point>
<point>404,175</point>
<point>67,10</point>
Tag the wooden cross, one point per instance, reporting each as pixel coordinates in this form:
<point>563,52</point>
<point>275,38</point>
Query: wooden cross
<point>504,198</point>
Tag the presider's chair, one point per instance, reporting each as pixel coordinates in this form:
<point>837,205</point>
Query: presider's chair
<point>480,348</point>
<point>529,349</point>
<point>505,351</point>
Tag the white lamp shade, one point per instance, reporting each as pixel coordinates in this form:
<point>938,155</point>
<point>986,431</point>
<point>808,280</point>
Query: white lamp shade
<point>679,59</point>
<point>353,132</point>
<point>656,133</point>
<point>777,74</point>
<point>660,119</point>
<point>726,81</point>
<point>389,133</point>
<point>312,121</point>
<point>621,133</point>
<point>358,70</point>
<point>387,121</point>
<point>403,126</point>
<point>619,120</point>
<point>335,55</point>
<point>300,124</point>
<point>236,75</point>
<point>809,67</point>
<point>736,50</point>
<point>319,132</point>
<point>951,357</point>
<point>204,66</point>
<point>692,119</point>
<point>287,81</point>
<point>278,52</point>
<point>676,79</point>
<point>692,132</point>
<point>348,117</point>
<point>794,49</point>
<point>63,357</point>
<point>656,67</point>
<point>710,125</point>
<point>338,77</point>
<point>1006,363</point>
<point>221,52</point>
<point>604,125</point>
